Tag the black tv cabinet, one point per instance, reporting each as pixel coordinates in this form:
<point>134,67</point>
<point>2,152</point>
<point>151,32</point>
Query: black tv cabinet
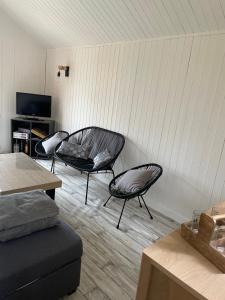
<point>45,126</point>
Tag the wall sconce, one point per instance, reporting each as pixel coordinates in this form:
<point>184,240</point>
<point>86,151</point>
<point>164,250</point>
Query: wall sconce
<point>64,68</point>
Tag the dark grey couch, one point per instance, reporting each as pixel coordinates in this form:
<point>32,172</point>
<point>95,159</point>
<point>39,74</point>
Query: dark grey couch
<point>42,266</point>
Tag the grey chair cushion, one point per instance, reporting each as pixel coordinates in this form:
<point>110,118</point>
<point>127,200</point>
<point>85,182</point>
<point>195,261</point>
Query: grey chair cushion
<point>76,150</point>
<point>133,181</point>
<point>50,144</point>
<point>24,213</point>
<point>102,158</point>
<point>29,258</point>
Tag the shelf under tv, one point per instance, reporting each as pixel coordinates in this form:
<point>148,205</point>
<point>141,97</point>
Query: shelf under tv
<point>47,126</point>
<point>32,119</point>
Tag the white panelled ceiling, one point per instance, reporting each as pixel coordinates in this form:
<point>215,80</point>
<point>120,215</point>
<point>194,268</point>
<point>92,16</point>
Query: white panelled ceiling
<point>60,23</point>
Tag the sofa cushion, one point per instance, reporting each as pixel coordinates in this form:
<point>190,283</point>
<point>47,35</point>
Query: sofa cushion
<point>26,229</point>
<point>133,181</point>
<point>24,213</point>
<point>28,258</point>
<point>76,150</point>
<point>50,144</point>
<point>102,158</point>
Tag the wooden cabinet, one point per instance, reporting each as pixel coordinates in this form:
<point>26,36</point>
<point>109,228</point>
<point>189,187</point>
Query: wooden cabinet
<point>171,269</point>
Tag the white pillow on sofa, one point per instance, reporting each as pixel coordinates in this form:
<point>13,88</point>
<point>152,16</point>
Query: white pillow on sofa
<point>50,144</point>
<point>101,158</point>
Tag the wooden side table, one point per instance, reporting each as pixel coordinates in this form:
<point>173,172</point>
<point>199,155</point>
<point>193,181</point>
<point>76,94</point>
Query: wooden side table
<point>171,269</point>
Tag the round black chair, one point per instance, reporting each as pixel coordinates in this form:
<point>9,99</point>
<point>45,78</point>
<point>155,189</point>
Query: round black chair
<point>156,173</point>
<point>39,149</point>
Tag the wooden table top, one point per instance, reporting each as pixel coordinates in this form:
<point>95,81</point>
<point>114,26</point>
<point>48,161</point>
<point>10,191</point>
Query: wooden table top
<point>186,266</point>
<point>20,173</point>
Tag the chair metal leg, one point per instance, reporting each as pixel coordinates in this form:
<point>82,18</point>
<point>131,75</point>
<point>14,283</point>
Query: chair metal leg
<point>147,207</point>
<point>107,201</point>
<point>139,201</point>
<point>87,189</point>
<point>52,166</point>
<point>118,225</point>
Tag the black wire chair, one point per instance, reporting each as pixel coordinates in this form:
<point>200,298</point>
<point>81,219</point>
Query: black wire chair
<point>40,151</point>
<point>98,139</point>
<point>156,173</point>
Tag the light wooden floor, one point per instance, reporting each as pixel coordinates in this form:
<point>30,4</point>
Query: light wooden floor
<point>111,260</point>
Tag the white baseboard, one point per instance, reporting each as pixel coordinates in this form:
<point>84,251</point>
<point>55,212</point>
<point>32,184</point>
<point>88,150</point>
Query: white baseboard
<point>168,212</point>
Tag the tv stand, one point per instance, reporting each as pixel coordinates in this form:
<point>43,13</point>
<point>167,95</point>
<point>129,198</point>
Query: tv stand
<point>32,119</point>
<point>28,125</point>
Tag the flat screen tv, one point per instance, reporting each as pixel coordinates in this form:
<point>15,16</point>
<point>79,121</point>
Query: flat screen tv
<point>33,105</point>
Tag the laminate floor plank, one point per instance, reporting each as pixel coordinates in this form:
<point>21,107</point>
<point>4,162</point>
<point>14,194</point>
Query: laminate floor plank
<point>97,294</point>
<point>111,259</point>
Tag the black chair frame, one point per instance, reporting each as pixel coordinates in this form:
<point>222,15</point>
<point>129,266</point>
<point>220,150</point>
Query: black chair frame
<point>139,194</point>
<point>39,149</point>
<point>107,168</point>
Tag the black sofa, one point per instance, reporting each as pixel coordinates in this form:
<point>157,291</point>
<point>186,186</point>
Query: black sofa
<point>99,139</point>
<point>42,266</point>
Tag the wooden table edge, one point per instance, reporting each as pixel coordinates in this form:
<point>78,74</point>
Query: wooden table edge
<point>44,187</point>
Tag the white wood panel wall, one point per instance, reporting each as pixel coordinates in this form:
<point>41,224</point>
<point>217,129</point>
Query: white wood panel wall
<point>22,68</point>
<point>167,97</point>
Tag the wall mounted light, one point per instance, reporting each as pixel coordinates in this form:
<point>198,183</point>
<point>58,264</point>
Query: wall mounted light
<point>64,68</point>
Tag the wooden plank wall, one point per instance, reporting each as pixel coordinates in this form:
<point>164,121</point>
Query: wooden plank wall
<point>166,96</point>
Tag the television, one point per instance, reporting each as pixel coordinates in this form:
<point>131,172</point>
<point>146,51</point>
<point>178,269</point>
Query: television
<point>33,105</point>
